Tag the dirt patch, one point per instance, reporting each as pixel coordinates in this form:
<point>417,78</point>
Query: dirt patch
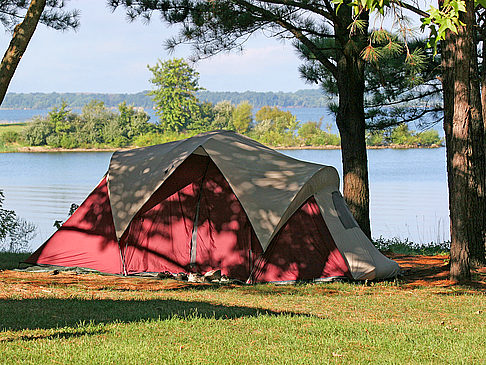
<point>419,271</point>
<point>433,271</point>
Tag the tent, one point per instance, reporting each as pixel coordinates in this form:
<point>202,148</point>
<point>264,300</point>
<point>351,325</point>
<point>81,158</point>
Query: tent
<point>218,200</point>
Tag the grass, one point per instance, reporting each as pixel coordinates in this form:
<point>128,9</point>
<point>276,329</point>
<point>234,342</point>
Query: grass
<point>13,127</point>
<point>10,127</point>
<point>91,319</point>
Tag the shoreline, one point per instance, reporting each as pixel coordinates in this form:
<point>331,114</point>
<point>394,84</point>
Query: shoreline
<point>42,149</point>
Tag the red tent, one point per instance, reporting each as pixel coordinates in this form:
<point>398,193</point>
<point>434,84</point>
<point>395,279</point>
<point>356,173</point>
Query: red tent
<point>216,201</point>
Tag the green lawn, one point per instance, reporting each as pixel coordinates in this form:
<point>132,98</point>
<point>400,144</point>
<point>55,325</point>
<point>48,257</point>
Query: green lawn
<point>91,319</point>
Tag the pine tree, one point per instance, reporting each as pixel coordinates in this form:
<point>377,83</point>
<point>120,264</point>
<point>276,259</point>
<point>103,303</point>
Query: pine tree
<point>49,13</point>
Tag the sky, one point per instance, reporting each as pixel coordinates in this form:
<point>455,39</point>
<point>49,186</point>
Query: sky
<point>107,54</point>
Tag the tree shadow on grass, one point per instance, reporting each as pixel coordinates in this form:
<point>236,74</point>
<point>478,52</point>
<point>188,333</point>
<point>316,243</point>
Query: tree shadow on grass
<point>59,334</point>
<point>56,313</point>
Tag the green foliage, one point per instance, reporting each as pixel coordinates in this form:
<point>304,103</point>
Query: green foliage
<point>203,119</point>
<point>38,130</point>
<point>96,126</point>
<point>429,138</point>
<point>403,136</point>
<point>54,16</point>
<point>15,232</point>
<point>276,127</point>
<point>242,117</point>
<point>11,260</point>
<point>9,137</point>
<point>313,135</point>
<point>223,116</point>
<point>405,247</point>
<point>175,96</point>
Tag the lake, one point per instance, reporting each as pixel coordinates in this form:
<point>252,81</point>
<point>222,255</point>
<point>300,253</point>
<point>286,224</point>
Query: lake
<point>408,188</point>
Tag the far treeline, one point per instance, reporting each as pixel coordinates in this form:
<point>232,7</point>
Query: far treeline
<point>310,98</point>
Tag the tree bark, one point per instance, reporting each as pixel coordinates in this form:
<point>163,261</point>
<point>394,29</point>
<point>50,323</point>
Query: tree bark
<point>351,121</point>
<point>466,159</point>
<point>21,37</point>
<point>477,141</point>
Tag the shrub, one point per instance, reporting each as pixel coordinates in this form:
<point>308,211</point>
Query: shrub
<point>37,132</point>
<point>15,232</point>
<point>69,141</point>
<point>375,138</point>
<point>429,138</point>
<point>406,247</point>
<point>9,137</point>
<point>313,135</point>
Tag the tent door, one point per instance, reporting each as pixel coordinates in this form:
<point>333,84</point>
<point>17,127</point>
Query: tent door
<point>192,262</point>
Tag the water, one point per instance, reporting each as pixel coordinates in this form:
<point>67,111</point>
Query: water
<point>408,188</point>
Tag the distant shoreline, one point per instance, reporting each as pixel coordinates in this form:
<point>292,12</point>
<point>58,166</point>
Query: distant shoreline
<point>40,149</point>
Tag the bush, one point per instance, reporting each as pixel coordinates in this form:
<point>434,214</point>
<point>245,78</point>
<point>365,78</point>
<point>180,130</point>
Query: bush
<point>375,138</point>
<point>54,141</point>
<point>69,141</point>
<point>152,138</point>
<point>15,232</point>
<point>406,247</point>
<point>313,135</point>
<point>38,131</point>
<point>9,137</point>
<point>429,138</point>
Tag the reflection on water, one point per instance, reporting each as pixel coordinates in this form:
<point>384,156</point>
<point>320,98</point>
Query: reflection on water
<point>408,188</point>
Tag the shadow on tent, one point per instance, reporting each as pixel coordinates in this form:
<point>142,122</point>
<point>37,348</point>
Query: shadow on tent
<point>161,235</point>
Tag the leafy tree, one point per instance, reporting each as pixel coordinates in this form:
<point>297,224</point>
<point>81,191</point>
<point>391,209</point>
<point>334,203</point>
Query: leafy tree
<point>38,131</point>
<point>203,119</point>
<point>275,126</point>
<point>395,93</point>
<point>91,123</point>
<point>223,114</point>
<point>15,232</point>
<point>48,12</point>
<point>175,96</point>
<point>281,121</point>
<point>62,119</point>
<point>133,121</point>
<point>242,117</point>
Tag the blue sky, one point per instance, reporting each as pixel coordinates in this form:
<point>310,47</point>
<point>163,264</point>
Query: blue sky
<point>108,54</point>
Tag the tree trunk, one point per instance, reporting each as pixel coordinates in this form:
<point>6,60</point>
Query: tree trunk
<point>21,37</point>
<point>483,106</point>
<point>350,120</point>
<point>466,159</point>
<point>476,189</point>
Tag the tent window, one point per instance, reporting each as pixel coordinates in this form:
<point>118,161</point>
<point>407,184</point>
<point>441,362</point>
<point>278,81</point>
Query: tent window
<point>343,212</point>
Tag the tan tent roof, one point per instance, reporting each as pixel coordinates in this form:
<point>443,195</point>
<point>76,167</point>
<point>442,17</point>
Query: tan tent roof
<point>269,185</point>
